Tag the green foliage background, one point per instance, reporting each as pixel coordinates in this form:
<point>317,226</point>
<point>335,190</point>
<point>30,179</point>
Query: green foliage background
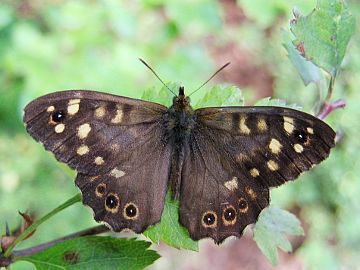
<point>51,45</point>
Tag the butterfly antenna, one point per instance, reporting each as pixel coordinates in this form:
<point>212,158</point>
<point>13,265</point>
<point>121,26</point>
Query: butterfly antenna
<point>157,76</point>
<point>220,69</point>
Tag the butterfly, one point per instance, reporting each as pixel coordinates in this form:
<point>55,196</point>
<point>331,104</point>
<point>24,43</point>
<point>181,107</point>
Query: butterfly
<point>220,162</point>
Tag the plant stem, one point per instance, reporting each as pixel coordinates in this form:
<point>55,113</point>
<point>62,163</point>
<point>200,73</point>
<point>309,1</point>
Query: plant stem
<point>29,251</point>
<point>330,90</point>
<point>30,229</point>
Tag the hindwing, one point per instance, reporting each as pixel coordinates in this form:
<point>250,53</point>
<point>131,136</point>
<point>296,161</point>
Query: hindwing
<point>235,154</point>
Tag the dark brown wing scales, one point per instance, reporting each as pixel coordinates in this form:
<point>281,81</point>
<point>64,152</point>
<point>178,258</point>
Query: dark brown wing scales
<point>235,154</point>
<point>217,200</point>
<point>223,159</point>
<point>115,144</point>
<point>271,143</point>
<point>132,194</point>
<point>85,129</point>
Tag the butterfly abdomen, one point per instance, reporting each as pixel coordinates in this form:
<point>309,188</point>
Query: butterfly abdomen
<point>179,121</point>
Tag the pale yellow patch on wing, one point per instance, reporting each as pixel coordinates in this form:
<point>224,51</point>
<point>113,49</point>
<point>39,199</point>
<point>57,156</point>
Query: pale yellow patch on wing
<point>272,165</point>
<point>114,147</point>
<point>73,106</point>
<point>59,128</point>
<point>232,184</point>
<point>241,157</point>
<point>50,109</point>
<point>118,117</point>
<point>298,148</point>
<point>117,173</point>
<point>83,130</point>
<point>310,130</point>
<point>100,112</point>
<point>254,172</point>
<point>242,126</point>
<point>251,193</point>
<point>288,124</point>
<point>99,161</point>
<point>93,178</point>
<point>82,150</point>
<point>74,101</point>
<point>275,146</point>
<point>261,124</point>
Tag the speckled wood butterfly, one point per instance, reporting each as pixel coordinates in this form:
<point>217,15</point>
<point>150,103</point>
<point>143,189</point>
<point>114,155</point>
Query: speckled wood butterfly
<point>219,162</point>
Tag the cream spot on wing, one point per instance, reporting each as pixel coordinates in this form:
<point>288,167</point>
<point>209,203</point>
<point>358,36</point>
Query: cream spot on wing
<point>100,112</point>
<point>275,146</point>
<point>288,124</point>
<point>241,157</point>
<point>298,148</point>
<point>232,184</point>
<point>59,128</point>
<point>242,126</point>
<point>310,130</point>
<point>50,109</point>
<point>251,193</point>
<point>93,178</point>
<point>82,150</point>
<point>272,165</point>
<point>73,106</point>
<point>115,147</point>
<point>254,172</point>
<point>118,117</point>
<point>117,173</point>
<point>261,124</point>
<point>83,131</point>
<point>99,161</point>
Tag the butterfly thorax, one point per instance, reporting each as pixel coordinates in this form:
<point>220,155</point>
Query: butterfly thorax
<point>179,121</point>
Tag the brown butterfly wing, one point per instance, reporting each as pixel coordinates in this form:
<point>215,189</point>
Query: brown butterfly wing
<point>115,144</point>
<point>235,154</point>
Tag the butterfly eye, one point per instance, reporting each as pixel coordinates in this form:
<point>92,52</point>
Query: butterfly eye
<point>243,205</point>
<point>112,203</point>
<point>131,211</point>
<point>209,219</point>
<point>58,116</point>
<point>300,136</point>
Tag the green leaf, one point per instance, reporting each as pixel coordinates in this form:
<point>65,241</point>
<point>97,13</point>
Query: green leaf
<point>94,252</point>
<point>169,229</point>
<point>268,101</point>
<point>162,95</point>
<point>306,69</point>
<point>323,35</point>
<point>271,231</point>
<point>221,95</point>
<point>266,13</point>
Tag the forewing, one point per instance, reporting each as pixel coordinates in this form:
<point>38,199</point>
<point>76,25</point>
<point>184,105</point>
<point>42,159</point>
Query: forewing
<point>235,154</point>
<point>115,144</point>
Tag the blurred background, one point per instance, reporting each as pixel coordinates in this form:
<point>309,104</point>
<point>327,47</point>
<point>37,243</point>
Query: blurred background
<point>49,45</point>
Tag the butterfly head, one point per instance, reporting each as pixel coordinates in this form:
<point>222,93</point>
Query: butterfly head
<point>181,101</point>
